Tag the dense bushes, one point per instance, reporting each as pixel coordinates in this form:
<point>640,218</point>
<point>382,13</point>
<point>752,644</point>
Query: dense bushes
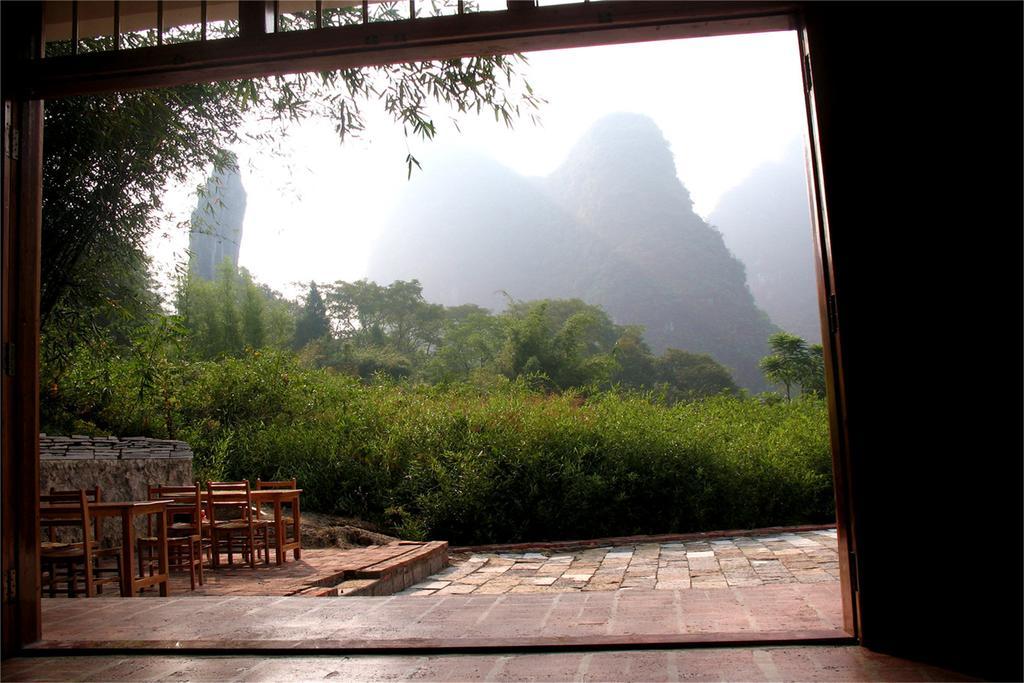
<point>476,464</point>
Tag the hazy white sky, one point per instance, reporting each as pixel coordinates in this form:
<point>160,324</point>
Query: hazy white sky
<point>726,105</point>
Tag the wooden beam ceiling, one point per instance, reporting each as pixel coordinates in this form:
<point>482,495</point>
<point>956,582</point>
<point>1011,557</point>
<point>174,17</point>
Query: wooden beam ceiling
<point>446,37</point>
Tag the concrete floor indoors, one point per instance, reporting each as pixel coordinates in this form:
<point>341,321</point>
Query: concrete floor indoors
<point>804,663</point>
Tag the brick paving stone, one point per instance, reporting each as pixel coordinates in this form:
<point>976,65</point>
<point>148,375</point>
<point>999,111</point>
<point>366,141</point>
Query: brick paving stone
<point>742,561</point>
<point>457,589</point>
<point>542,580</point>
<point>477,579</point>
<point>727,563</point>
<point>743,582</point>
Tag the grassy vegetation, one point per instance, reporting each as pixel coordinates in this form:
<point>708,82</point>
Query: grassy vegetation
<point>497,462</point>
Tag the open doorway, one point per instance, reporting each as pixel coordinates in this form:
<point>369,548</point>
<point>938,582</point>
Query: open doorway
<point>412,521</point>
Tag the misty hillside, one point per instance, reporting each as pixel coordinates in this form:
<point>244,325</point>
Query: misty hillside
<point>470,229</point>
<point>765,221</point>
<point>613,226</point>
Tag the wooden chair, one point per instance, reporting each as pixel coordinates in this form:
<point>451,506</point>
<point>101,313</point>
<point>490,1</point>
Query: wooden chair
<point>87,553</point>
<point>283,484</point>
<point>184,532</point>
<point>233,525</point>
<point>70,497</point>
<point>50,526</point>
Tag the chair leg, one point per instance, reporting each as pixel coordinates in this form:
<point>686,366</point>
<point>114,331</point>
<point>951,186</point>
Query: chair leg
<point>200,561</point>
<point>90,586</point>
<point>72,589</point>
<point>251,538</point>
<point>121,568</point>
<point>53,579</point>
<point>191,564</point>
<point>142,561</point>
<point>214,550</point>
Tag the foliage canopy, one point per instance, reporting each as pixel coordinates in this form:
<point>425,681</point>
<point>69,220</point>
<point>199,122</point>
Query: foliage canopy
<point>793,363</point>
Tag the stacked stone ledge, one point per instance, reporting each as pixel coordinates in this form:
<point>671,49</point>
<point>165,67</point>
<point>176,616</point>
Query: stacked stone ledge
<point>124,468</point>
<point>80,447</point>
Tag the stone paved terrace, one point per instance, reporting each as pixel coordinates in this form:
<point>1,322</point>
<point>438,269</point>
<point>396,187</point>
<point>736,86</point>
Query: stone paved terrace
<point>646,615</point>
<point>741,561</point>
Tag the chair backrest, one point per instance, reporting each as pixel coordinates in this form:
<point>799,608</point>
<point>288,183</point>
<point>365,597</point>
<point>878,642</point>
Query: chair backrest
<point>229,485</point>
<point>185,501</point>
<point>226,496</point>
<point>94,495</point>
<point>71,496</point>
<point>284,484</point>
<point>81,506</point>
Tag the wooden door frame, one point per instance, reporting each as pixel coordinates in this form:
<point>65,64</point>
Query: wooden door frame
<point>20,243</point>
<point>253,55</point>
<point>828,314</point>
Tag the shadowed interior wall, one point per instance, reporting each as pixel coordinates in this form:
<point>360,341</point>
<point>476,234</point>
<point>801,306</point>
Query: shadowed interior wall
<point>920,113</point>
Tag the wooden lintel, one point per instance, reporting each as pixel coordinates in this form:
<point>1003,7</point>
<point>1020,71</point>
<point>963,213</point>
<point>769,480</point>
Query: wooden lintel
<point>449,37</point>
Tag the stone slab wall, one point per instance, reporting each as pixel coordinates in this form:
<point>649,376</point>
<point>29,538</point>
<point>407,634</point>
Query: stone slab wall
<point>123,468</point>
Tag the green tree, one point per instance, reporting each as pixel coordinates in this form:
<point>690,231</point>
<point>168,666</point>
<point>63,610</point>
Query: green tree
<point>634,361</point>
<point>814,381</point>
<point>313,324</point>
<point>471,339</point>
<point>231,313</point>
<point>253,332</point>
<point>559,339</point>
<point>395,316</point>
<point>792,363</point>
<point>689,376</point>
<point>229,335</point>
<point>131,385</point>
<point>599,334</point>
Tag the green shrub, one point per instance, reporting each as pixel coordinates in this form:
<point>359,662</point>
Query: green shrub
<point>494,461</point>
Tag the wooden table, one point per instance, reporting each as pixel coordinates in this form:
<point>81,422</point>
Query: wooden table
<point>279,497</point>
<point>128,511</point>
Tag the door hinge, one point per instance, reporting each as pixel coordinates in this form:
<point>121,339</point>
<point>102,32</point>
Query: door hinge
<point>10,586</point>
<point>808,83</point>
<point>854,575</point>
<point>8,359</point>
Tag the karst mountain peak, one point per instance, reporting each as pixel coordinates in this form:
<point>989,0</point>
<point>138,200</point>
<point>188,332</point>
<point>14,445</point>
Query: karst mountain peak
<point>612,225</point>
